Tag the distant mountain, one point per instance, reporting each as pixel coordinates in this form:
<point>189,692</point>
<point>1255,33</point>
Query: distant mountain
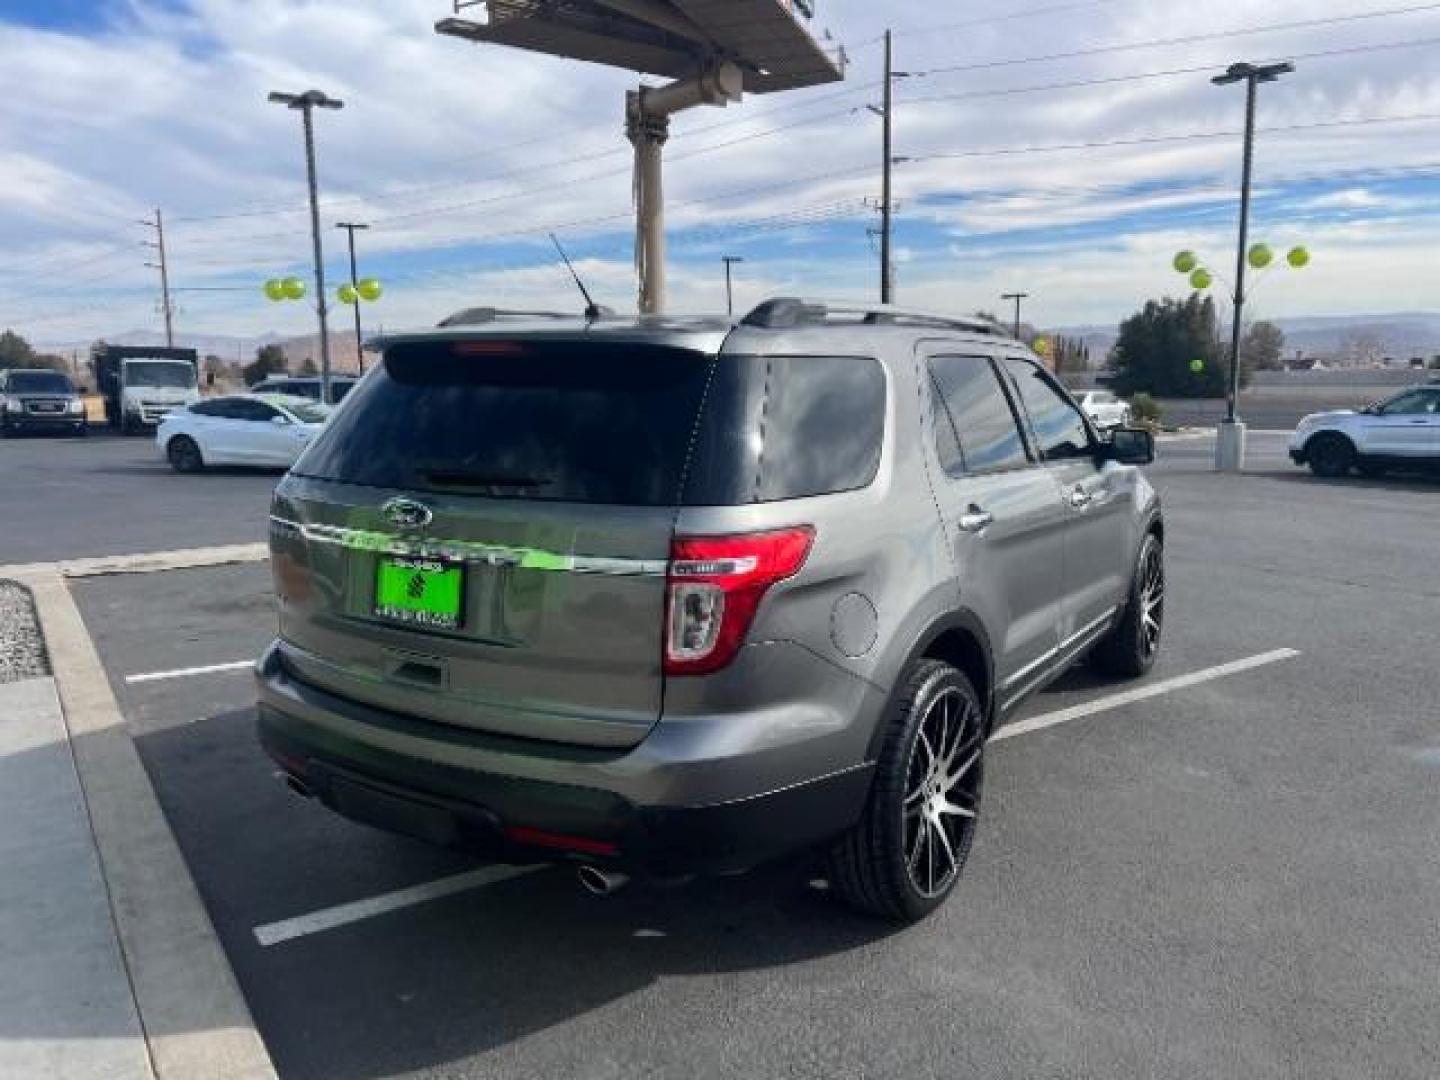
<point>1337,338</point>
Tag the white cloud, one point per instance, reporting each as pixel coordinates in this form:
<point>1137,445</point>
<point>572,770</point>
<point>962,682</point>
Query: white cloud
<point>462,157</point>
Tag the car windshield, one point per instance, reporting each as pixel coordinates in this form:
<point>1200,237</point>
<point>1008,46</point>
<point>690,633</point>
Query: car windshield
<point>307,412</point>
<point>160,373</point>
<point>1102,397</point>
<point>40,382</point>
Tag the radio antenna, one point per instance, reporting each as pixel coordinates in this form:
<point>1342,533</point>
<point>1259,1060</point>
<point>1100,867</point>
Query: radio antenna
<point>593,311</point>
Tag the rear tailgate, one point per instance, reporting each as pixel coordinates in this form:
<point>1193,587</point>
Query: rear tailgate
<point>480,536</point>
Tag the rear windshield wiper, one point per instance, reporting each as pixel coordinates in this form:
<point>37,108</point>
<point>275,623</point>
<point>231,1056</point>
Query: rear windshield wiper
<point>465,478</point>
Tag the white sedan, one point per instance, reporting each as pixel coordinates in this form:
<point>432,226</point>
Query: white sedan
<point>1105,409</point>
<point>1403,431</point>
<point>263,430</point>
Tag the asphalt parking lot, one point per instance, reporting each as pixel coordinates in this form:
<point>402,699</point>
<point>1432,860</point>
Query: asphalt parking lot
<point>112,495</point>
<point>1231,878</point>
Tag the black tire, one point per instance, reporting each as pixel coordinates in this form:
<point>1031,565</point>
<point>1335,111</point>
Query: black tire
<point>1330,455</point>
<point>1129,648</point>
<point>893,862</point>
<point>184,455</point>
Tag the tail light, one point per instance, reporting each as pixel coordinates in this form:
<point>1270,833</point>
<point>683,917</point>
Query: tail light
<point>715,587</point>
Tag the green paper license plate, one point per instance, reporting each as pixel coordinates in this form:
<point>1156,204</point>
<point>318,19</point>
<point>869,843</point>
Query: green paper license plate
<point>428,593</point>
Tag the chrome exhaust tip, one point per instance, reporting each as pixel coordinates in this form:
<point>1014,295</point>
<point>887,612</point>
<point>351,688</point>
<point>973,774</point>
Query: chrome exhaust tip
<point>601,882</point>
<point>298,786</point>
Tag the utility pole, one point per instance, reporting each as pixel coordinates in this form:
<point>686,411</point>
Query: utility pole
<point>729,261</point>
<point>1230,440</point>
<point>887,219</point>
<point>350,228</point>
<point>164,267</point>
<point>1017,297</point>
<point>306,104</point>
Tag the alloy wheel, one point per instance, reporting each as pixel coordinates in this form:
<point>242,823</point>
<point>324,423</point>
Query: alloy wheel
<point>1152,601</point>
<point>942,792</point>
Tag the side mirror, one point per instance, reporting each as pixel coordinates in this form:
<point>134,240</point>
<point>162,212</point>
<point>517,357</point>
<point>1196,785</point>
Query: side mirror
<point>280,421</point>
<point>1131,446</point>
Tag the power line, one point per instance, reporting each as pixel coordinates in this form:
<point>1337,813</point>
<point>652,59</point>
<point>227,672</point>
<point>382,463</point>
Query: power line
<point>1189,39</point>
<point>1148,140</point>
<point>1110,80</point>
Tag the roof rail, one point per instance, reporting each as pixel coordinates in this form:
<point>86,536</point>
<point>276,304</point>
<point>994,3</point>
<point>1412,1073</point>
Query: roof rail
<point>788,312</point>
<point>479,315</point>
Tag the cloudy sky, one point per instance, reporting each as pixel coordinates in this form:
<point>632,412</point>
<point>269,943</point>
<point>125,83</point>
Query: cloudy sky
<point>1063,148</point>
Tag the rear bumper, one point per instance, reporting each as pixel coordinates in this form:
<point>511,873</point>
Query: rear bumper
<point>320,740</point>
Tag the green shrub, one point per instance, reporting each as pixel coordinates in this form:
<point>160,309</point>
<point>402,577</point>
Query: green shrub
<point>1144,409</point>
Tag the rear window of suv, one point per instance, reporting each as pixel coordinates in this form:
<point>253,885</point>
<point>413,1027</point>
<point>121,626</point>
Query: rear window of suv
<point>607,423</point>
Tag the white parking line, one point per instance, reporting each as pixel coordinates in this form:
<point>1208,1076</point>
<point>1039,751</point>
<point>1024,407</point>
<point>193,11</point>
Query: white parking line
<point>329,918</point>
<point>1142,693</point>
<point>181,673</point>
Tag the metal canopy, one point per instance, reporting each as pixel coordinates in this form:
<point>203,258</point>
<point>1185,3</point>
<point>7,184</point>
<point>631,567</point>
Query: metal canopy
<point>767,39</point>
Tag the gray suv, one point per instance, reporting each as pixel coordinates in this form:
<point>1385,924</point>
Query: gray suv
<point>666,597</point>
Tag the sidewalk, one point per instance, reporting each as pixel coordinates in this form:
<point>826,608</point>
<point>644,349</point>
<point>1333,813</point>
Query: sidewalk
<point>66,1008</point>
<point>109,965</point>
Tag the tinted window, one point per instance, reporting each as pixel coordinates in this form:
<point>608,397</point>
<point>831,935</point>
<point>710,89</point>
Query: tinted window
<point>823,427</point>
<point>1414,403</point>
<point>1059,427</point>
<point>591,422</point>
<point>210,408</point>
<point>243,409</point>
<point>975,427</point>
<point>787,427</point>
<point>39,382</point>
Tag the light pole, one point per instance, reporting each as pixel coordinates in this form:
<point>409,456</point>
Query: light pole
<point>306,104</point>
<point>1017,297</point>
<point>1230,442</point>
<point>350,227</point>
<point>729,261</point>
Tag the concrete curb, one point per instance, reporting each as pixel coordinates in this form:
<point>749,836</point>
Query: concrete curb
<point>148,563</point>
<point>196,1021</point>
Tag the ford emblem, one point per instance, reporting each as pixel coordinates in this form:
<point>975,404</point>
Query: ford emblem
<point>407,513</point>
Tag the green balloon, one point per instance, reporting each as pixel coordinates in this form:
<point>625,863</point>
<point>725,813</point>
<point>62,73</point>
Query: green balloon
<point>348,295</point>
<point>1261,256</point>
<point>1201,279</point>
<point>1185,262</point>
<point>294,288</point>
<point>369,288</point>
<point>275,289</point>
<point>1197,366</point>
<point>1299,257</point>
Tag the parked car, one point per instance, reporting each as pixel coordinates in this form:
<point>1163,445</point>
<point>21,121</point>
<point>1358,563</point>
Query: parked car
<point>242,429</point>
<point>1403,431</point>
<point>1105,409</point>
<point>668,597</point>
<point>40,400</point>
<point>305,386</point>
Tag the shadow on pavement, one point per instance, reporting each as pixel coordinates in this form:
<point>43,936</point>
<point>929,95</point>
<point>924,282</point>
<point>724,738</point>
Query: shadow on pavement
<point>438,982</point>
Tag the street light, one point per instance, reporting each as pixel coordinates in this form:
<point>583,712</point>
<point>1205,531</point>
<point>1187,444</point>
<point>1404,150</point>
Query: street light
<point>1018,297</point>
<point>729,261</point>
<point>306,104</point>
<point>1230,443</point>
<point>351,294</point>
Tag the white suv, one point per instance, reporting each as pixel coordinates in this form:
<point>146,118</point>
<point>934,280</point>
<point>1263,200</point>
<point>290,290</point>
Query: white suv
<point>1401,431</point>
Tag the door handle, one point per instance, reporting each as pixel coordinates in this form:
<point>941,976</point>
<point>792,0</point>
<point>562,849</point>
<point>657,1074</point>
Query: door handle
<point>1080,498</point>
<point>976,520</point>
